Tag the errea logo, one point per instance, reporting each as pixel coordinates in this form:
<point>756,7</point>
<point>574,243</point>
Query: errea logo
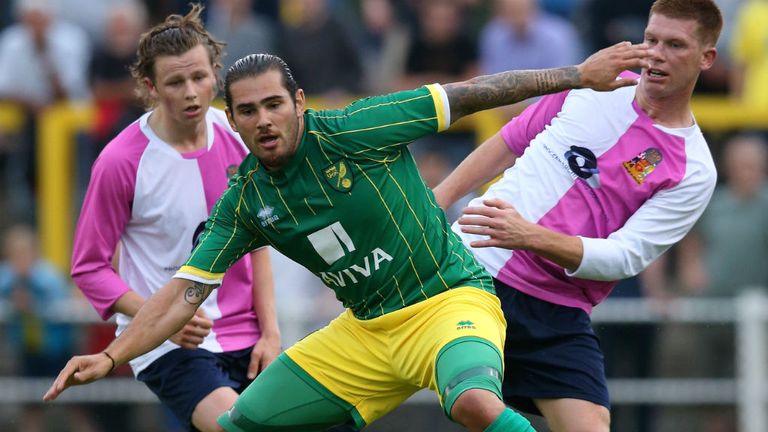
<point>465,325</point>
<point>266,216</point>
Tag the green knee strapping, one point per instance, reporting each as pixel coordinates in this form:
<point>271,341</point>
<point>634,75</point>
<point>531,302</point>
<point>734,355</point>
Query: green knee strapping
<point>285,398</point>
<point>464,364</point>
<point>510,421</point>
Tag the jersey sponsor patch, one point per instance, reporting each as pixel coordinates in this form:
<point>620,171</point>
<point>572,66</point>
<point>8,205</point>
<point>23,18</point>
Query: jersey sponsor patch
<point>643,164</point>
<point>231,171</point>
<point>331,242</point>
<point>339,176</point>
<point>583,163</point>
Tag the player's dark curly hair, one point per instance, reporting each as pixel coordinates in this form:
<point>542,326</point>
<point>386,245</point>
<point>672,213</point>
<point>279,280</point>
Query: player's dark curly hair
<point>173,37</point>
<point>254,65</point>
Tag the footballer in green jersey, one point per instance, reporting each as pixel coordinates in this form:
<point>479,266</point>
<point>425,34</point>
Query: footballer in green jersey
<point>338,192</point>
<point>350,206</point>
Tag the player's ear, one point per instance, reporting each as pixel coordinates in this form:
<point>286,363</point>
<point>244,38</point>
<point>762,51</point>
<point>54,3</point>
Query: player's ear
<point>300,102</point>
<point>230,119</point>
<point>708,58</point>
<point>150,86</point>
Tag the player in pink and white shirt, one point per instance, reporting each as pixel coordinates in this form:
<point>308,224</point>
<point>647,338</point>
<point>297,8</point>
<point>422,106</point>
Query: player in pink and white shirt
<point>150,192</point>
<point>595,187</point>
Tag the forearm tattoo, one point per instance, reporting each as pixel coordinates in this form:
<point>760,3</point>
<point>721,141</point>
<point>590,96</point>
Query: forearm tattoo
<point>197,293</point>
<point>491,91</point>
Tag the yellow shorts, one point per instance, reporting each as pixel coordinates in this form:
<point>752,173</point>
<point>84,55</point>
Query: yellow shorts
<point>377,364</point>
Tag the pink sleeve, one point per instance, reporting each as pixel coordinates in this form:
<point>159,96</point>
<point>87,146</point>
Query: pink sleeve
<point>519,132</point>
<point>105,213</point>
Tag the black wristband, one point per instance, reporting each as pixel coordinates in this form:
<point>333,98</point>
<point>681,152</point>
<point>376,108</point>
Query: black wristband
<point>111,359</point>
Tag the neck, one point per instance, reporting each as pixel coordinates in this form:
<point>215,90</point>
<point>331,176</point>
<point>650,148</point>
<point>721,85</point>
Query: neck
<point>672,111</point>
<point>179,136</point>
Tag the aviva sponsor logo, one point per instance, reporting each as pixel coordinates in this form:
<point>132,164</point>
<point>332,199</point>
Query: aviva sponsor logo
<point>465,325</point>
<point>365,269</point>
<point>332,243</point>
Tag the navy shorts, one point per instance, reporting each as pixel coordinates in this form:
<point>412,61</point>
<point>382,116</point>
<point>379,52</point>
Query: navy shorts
<point>551,352</point>
<point>182,378</point>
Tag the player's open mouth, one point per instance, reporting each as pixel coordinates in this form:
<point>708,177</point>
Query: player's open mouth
<point>192,110</point>
<point>656,73</point>
<point>268,141</point>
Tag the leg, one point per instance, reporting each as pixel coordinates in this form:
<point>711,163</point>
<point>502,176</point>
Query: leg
<point>197,385</point>
<point>553,363</point>
<point>211,407</point>
<point>285,398</point>
<point>468,374</point>
<point>574,415</point>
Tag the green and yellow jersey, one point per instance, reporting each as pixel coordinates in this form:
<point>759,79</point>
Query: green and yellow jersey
<point>350,206</point>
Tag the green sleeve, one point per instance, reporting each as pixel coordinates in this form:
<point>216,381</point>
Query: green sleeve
<point>383,124</point>
<point>228,235</point>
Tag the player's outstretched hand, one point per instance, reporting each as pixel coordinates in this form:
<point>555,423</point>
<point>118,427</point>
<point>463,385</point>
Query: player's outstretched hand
<point>79,370</point>
<point>600,70</point>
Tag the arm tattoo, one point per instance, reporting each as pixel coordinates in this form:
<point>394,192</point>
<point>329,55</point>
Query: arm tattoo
<point>491,91</point>
<point>197,293</point>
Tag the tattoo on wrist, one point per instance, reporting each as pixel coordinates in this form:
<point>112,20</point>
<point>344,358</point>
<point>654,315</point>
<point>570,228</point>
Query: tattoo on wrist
<point>505,88</point>
<point>196,293</point>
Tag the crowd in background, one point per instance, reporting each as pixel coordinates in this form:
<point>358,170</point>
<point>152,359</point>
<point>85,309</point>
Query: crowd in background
<point>78,51</point>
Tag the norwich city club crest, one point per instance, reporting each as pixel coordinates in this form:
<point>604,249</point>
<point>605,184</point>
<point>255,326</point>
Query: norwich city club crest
<point>339,176</point>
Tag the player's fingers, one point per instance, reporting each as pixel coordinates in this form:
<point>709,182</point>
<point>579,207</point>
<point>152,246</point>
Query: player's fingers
<point>194,331</point>
<point>484,243</point>
<point>497,203</point>
<point>52,393</point>
<point>191,341</point>
<point>623,82</point>
<point>480,211</point>
<point>201,322</point>
<point>63,380</point>
<point>479,221</point>
<point>477,230</point>
<point>254,367</point>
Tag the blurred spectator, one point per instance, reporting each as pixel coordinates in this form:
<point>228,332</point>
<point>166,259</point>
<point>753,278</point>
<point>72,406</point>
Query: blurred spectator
<point>113,87</point>
<point>6,15</point>
<point>434,167</point>
<point>521,36</point>
<point>610,21</point>
<point>91,22</point>
<point>244,31</point>
<point>384,41</point>
<point>319,50</point>
<point>749,49</point>
<point>728,248</point>
<point>35,290</point>
<point>42,60</point>
<point>724,253</point>
<point>563,8</point>
<point>440,50</point>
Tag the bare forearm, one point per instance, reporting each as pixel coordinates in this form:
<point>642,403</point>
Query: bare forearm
<point>505,88</point>
<point>564,250</point>
<point>163,314</point>
<point>264,293</point>
<point>480,167</point>
<point>128,304</point>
